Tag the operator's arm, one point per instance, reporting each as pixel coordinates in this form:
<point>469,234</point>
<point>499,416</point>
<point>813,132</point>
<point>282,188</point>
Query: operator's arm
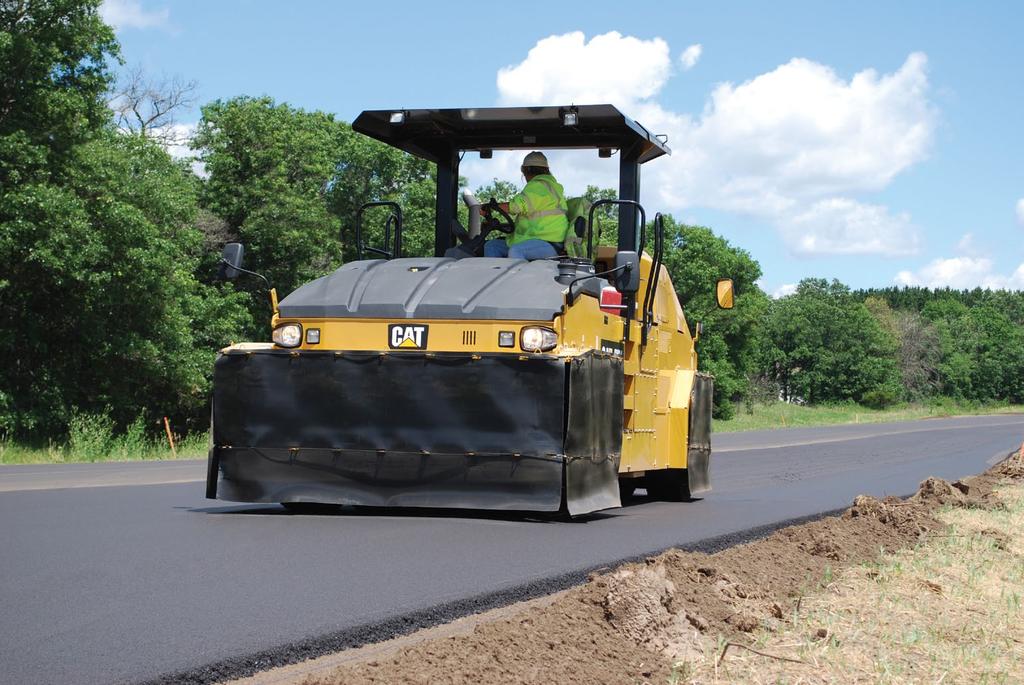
<point>504,206</point>
<point>516,205</point>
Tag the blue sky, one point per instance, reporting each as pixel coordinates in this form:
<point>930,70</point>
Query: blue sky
<point>873,142</point>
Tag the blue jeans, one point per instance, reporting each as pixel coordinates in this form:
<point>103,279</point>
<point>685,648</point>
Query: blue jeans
<point>528,249</point>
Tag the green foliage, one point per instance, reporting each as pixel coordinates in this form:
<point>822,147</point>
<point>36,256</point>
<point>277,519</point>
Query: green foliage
<point>268,165</point>
<point>54,61</point>
<point>97,243</point>
<point>982,351</point>
<point>90,435</point>
<point>823,345</point>
<point>366,170</point>
<point>93,437</point>
<point>606,217</point>
<point>919,349</point>
<point>108,255</point>
<point>286,181</point>
<point>502,191</point>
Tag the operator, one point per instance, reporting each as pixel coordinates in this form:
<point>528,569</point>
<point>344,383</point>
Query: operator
<point>540,215</point>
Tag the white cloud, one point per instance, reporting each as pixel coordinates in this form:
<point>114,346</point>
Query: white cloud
<point>1020,211</point>
<point>129,14</point>
<point>176,139</point>
<point>609,68</point>
<point>784,290</point>
<point>843,226</point>
<point>690,56</point>
<point>793,146</point>
<point>962,273</point>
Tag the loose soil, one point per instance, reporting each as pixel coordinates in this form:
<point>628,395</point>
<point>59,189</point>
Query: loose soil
<point>632,624</point>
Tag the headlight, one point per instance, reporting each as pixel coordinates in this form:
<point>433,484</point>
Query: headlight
<point>288,335</point>
<point>537,339</point>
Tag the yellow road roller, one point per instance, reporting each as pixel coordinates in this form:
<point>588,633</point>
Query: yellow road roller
<point>462,381</point>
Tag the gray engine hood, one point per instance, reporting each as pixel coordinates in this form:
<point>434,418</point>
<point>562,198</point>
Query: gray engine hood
<point>432,288</point>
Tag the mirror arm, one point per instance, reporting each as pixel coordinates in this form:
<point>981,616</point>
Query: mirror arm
<point>246,271</point>
<point>574,281</point>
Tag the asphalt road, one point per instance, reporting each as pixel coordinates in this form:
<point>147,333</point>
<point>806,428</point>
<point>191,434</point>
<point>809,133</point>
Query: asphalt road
<point>112,578</point>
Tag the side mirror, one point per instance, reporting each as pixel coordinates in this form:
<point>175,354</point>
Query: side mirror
<point>231,261</point>
<point>627,278</point>
<point>724,293</point>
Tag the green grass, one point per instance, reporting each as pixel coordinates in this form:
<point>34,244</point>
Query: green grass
<point>782,415</point>
<point>92,438</point>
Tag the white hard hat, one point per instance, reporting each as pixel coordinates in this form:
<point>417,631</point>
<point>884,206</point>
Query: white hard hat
<point>535,159</point>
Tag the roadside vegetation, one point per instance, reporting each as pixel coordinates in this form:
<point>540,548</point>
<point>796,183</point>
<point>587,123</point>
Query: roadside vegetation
<point>948,610</point>
<point>784,415</point>
<point>108,249</point>
<point>93,438</point>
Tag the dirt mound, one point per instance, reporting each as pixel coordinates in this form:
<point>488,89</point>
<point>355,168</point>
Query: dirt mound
<point>638,604</point>
<point>941,492</point>
<point>1012,467</point>
<point>631,624</point>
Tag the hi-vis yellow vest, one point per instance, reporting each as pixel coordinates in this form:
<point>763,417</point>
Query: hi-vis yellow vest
<point>540,211</point>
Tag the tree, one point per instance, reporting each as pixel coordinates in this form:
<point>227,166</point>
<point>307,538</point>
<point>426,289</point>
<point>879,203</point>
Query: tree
<point>109,256</point>
<point>920,348</point>
<point>268,166</point>
<point>982,351</point>
<point>97,242</point>
<point>287,183</point>
<point>823,345</point>
<point>149,107</point>
<point>53,61</point>
<point>502,191</point>
<point>606,217</point>
<point>367,170</point>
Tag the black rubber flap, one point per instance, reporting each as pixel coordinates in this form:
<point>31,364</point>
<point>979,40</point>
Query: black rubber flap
<point>593,440</point>
<point>390,430</point>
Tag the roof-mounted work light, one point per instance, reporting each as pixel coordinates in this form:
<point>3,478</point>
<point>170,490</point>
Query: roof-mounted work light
<point>397,118</point>
<point>570,116</point>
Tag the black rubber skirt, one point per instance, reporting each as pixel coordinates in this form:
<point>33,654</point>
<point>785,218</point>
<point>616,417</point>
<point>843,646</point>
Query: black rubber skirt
<point>417,430</point>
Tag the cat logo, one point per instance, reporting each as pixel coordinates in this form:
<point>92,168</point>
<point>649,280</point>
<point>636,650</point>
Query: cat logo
<point>407,337</point>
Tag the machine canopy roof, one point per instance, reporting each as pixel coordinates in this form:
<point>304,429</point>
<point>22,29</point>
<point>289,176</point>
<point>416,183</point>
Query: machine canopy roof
<point>435,134</point>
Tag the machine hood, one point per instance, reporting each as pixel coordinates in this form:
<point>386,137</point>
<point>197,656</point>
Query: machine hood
<point>432,288</point>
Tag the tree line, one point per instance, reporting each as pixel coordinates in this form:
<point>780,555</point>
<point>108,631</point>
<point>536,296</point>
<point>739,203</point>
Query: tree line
<point>109,246</point>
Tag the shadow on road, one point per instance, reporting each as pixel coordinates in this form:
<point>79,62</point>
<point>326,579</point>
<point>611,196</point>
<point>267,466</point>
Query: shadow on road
<point>309,509</point>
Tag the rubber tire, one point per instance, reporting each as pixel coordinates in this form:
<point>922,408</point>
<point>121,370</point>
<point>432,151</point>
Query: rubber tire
<point>670,485</point>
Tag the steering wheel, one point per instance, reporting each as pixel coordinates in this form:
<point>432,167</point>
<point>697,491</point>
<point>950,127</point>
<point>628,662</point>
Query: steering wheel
<point>489,223</point>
